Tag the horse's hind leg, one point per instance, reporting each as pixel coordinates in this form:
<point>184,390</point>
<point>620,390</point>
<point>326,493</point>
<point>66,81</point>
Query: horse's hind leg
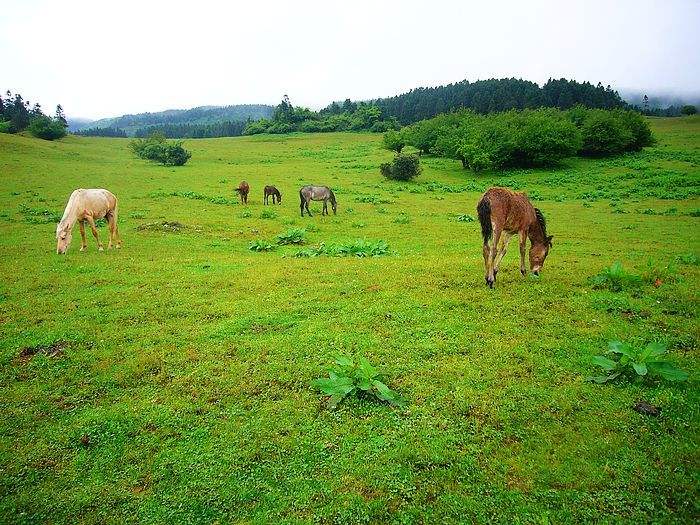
<point>83,240</point>
<point>490,275</point>
<point>94,232</point>
<point>110,223</point>
<point>523,244</point>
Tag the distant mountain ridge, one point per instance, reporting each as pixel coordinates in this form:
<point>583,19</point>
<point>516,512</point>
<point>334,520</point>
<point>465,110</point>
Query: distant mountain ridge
<point>198,115</point>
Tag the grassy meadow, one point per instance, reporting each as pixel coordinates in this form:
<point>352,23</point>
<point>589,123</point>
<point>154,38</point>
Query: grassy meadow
<point>169,381</point>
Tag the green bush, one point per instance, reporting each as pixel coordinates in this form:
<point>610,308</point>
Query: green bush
<point>394,141</point>
<point>689,110</point>
<point>403,167</point>
<point>514,139</point>
<point>5,126</point>
<point>157,149</point>
<point>603,134</point>
<point>611,132</point>
<point>47,128</point>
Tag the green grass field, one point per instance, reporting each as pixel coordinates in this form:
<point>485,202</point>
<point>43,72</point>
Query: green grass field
<point>169,382</point>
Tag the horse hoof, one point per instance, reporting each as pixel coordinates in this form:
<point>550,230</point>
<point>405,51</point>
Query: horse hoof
<point>523,272</point>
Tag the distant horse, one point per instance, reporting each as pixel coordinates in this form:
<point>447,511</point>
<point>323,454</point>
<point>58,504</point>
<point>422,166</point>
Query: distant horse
<point>317,193</point>
<point>502,211</point>
<point>271,190</point>
<point>243,190</point>
<point>88,205</point>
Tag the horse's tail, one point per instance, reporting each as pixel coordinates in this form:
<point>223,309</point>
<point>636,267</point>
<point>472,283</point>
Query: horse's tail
<point>484,211</point>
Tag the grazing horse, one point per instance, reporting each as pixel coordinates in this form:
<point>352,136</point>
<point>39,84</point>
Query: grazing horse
<point>88,205</point>
<point>317,193</point>
<point>243,189</point>
<point>502,211</point>
<point>271,190</point>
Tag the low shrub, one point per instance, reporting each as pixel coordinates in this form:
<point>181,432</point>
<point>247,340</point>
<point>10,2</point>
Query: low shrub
<point>47,128</point>
<point>157,149</point>
<point>403,167</point>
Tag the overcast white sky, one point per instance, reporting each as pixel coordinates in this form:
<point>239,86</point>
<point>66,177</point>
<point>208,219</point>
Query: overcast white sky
<point>106,58</point>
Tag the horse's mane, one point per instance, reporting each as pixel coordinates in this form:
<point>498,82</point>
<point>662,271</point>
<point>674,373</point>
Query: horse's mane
<point>542,221</point>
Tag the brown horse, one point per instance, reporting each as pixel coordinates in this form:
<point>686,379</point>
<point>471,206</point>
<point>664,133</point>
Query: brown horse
<point>503,211</point>
<point>271,190</point>
<point>243,190</point>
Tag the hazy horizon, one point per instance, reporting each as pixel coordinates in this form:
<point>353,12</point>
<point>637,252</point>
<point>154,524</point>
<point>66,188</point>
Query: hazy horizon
<point>110,59</point>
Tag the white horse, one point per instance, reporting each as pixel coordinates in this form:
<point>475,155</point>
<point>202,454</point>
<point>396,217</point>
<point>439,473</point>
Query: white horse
<point>88,205</point>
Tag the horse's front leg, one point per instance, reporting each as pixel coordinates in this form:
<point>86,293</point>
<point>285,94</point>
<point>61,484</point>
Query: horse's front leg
<point>94,232</point>
<point>523,245</point>
<point>502,252</point>
<point>83,240</point>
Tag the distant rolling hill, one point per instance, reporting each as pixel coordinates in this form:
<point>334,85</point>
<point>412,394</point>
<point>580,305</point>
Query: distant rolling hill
<point>200,115</point>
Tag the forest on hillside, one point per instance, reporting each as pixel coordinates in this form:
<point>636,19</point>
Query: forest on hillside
<point>494,95</point>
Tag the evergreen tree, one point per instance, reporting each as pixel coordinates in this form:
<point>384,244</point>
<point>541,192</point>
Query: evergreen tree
<point>60,116</point>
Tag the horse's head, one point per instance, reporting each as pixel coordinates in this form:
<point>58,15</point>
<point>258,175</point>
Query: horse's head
<point>279,197</point>
<point>334,204</point>
<point>538,253</point>
<point>63,238</point>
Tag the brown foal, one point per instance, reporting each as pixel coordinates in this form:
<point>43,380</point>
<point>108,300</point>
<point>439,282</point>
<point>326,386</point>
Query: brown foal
<point>243,189</point>
<point>503,212</point>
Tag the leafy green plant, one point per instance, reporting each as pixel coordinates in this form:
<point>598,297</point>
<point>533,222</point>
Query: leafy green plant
<point>292,236</point>
<point>245,214</point>
<point>402,219</point>
<point>268,214</point>
<point>688,258</point>
<point>644,362</point>
<point>616,279</point>
<point>359,248</point>
<point>347,376</point>
<point>260,245</point>
<point>465,218</point>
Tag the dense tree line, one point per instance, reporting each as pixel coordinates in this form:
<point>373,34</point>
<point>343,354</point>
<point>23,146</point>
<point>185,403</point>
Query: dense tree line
<point>201,115</point>
<point>17,114</point>
<point>524,138</point>
<point>102,132</point>
<point>496,95</point>
<point>195,131</point>
<point>670,111</point>
<point>348,117</point>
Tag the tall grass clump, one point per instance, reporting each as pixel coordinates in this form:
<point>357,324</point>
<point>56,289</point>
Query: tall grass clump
<point>616,279</point>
